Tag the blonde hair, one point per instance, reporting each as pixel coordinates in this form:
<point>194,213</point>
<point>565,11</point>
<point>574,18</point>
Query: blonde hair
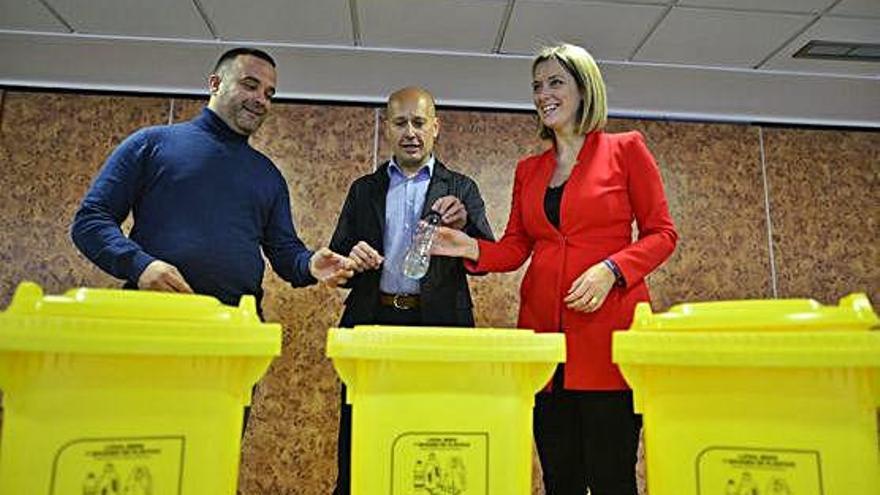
<point>593,112</point>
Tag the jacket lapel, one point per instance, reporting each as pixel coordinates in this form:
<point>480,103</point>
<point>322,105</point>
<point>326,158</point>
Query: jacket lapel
<point>379,196</point>
<point>534,195</point>
<point>438,187</point>
<point>574,188</point>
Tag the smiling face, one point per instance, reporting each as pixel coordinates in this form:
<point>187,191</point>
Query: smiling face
<point>556,96</point>
<point>411,127</point>
<point>242,91</point>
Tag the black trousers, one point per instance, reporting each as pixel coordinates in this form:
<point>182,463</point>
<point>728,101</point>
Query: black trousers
<point>386,315</point>
<point>247,409</point>
<point>246,418</point>
<point>587,439</point>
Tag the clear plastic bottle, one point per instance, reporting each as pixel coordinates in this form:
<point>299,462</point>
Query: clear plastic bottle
<point>418,256</point>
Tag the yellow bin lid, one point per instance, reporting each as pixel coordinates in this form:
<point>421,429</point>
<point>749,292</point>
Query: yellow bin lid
<point>108,321</point>
<point>778,332</point>
<point>445,344</point>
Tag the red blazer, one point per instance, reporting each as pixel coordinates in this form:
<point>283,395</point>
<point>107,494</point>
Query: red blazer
<point>614,182</point>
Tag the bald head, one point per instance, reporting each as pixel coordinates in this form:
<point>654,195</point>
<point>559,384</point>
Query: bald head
<point>411,126</point>
<point>412,95</point>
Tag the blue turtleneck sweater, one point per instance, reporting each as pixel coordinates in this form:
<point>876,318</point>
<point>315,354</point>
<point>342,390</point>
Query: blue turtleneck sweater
<point>203,200</point>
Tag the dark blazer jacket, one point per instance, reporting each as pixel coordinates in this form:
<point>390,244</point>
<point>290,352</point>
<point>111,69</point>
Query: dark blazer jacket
<point>445,297</point>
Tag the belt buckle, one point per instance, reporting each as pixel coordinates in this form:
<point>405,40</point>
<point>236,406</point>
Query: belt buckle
<point>398,303</point>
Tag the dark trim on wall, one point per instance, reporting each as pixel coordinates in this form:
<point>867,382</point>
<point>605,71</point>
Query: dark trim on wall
<point>341,103</point>
<point>176,96</point>
<point>816,127</point>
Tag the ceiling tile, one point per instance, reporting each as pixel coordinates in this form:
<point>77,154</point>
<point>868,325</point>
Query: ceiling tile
<point>303,21</point>
<point>160,18</point>
<point>459,25</point>
<point>857,8</point>
<point>805,6</point>
<point>608,31</point>
<point>61,61</point>
<point>28,15</point>
<point>719,38</point>
<point>645,2</point>
<point>830,29</point>
<point>105,63</point>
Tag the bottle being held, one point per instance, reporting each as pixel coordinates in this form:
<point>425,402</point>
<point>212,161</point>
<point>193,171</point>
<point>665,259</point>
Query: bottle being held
<point>418,256</point>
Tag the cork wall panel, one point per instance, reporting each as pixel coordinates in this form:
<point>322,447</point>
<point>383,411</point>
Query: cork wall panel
<point>486,146</point>
<point>183,109</point>
<point>825,212</point>
<point>52,146</point>
<point>714,185</point>
<point>291,442</point>
<point>821,194</point>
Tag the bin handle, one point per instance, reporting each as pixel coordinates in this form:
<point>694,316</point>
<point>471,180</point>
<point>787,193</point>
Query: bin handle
<point>29,299</point>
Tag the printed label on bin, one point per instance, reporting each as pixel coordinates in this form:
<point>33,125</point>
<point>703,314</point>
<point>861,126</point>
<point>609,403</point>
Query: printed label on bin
<point>116,466</point>
<point>440,463</point>
<point>743,471</point>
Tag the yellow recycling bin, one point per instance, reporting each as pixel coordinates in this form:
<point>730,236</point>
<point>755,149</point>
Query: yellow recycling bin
<point>126,392</point>
<point>771,397</point>
<point>442,410</point>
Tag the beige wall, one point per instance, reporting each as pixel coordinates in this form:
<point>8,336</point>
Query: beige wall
<point>729,187</point>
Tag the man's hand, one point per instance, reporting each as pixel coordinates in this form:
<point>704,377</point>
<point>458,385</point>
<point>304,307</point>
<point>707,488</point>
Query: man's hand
<point>329,268</point>
<point>452,212</point>
<point>365,257</point>
<point>164,277</point>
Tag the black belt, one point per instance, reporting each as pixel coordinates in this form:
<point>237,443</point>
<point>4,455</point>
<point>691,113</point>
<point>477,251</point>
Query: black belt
<point>400,301</point>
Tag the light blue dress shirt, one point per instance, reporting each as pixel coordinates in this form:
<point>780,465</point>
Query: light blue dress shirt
<point>403,209</point>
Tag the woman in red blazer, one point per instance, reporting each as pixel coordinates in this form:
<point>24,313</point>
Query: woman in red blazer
<point>572,213</point>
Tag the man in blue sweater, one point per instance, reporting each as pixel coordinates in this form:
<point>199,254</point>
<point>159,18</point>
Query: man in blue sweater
<point>204,201</point>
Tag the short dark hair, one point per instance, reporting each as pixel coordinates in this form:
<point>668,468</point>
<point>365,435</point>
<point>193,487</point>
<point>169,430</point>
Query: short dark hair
<point>230,55</point>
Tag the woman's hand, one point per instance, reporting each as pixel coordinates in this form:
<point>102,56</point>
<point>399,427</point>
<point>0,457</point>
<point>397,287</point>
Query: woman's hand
<point>589,290</point>
<point>454,243</point>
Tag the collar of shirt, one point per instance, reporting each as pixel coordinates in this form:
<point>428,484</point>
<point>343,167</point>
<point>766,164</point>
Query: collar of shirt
<point>396,174</point>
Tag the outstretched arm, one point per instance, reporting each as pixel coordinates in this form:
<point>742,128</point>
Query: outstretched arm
<point>329,268</point>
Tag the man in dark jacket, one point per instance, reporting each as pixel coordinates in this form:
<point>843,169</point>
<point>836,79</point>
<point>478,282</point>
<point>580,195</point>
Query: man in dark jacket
<point>377,222</point>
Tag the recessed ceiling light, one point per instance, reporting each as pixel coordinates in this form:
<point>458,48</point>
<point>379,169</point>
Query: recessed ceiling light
<point>838,50</point>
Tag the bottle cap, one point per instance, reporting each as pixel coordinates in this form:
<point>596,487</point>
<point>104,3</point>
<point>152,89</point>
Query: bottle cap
<point>432,217</point>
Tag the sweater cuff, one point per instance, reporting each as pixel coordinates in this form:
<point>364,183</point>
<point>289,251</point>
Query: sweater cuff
<point>138,264</point>
<point>306,277</point>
